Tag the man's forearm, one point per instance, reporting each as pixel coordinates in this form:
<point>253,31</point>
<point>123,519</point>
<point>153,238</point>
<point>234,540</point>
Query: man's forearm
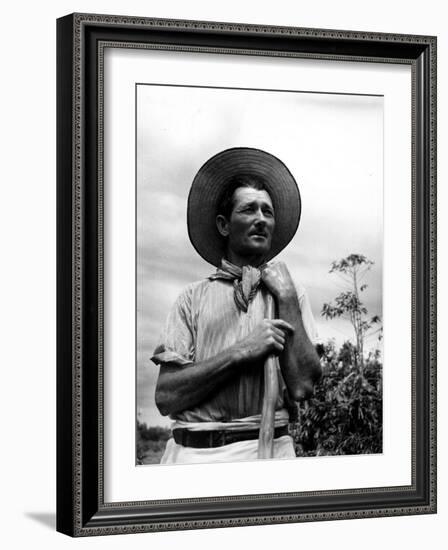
<point>179,389</point>
<point>299,361</point>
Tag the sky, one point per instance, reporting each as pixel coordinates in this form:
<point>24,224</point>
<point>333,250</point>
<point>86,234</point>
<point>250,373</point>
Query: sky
<point>331,143</point>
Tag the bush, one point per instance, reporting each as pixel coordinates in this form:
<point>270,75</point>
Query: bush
<point>345,414</point>
<point>151,443</point>
<point>153,433</point>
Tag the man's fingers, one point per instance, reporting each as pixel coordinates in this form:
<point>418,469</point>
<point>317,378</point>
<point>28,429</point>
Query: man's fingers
<point>278,333</point>
<point>279,347</point>
<point>279,336</point>
<point>279,323</point>
<point>276,346</point>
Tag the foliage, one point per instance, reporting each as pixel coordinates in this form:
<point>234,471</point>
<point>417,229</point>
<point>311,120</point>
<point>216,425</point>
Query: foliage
<point>345,414</point>
<point>348,303</point>
<point>153,433</point>
<point>151,443</point>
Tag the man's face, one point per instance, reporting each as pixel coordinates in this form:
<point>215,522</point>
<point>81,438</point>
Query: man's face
<point>251,224</point>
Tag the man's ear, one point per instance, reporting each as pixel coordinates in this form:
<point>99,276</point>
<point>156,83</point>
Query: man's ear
<point>223,225</point>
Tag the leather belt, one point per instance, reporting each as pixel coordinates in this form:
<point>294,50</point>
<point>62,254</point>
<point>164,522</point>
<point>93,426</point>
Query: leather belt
<point>217,438</point>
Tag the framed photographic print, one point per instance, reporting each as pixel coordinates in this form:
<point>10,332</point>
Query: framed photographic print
<point>246,274</point>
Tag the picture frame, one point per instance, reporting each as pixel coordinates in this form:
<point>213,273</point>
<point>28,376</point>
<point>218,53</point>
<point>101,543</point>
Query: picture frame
<point>81,506</point>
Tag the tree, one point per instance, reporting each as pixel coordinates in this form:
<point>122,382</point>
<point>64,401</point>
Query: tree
<point>344,416</point>
<point>348,304</point>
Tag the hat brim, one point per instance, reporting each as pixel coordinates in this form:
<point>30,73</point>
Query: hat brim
<point>210,183</point>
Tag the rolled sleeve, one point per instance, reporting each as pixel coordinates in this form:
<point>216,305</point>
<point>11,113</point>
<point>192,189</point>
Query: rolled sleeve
<point>177,343</point>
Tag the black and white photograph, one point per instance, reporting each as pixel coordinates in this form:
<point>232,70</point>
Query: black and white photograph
<point>259,269</point>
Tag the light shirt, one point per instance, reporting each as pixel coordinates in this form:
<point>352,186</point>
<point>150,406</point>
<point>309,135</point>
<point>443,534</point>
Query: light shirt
<point>203,322</point>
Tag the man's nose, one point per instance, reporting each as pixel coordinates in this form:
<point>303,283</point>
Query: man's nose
<point>260,216</point>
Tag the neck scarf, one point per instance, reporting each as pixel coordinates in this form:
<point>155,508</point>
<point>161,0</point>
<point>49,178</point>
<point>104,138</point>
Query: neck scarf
<point>246,281</point>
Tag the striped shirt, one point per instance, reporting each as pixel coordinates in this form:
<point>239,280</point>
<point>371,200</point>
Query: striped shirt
<point>203,322</point>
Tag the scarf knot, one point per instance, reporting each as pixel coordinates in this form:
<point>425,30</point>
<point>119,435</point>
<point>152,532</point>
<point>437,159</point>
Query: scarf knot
<point>246,281</point>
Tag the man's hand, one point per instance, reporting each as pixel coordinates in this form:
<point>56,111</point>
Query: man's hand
<point>267,338</point>
<point>278,281</point>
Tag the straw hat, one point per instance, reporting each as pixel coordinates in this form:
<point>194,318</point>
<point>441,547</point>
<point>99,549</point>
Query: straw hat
<point>210,183</point>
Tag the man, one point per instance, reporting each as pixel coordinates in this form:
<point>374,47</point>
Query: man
<point>243,209</point>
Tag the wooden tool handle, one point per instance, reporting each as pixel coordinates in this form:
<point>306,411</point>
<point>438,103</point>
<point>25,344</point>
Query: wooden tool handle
<point>266,437</point>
